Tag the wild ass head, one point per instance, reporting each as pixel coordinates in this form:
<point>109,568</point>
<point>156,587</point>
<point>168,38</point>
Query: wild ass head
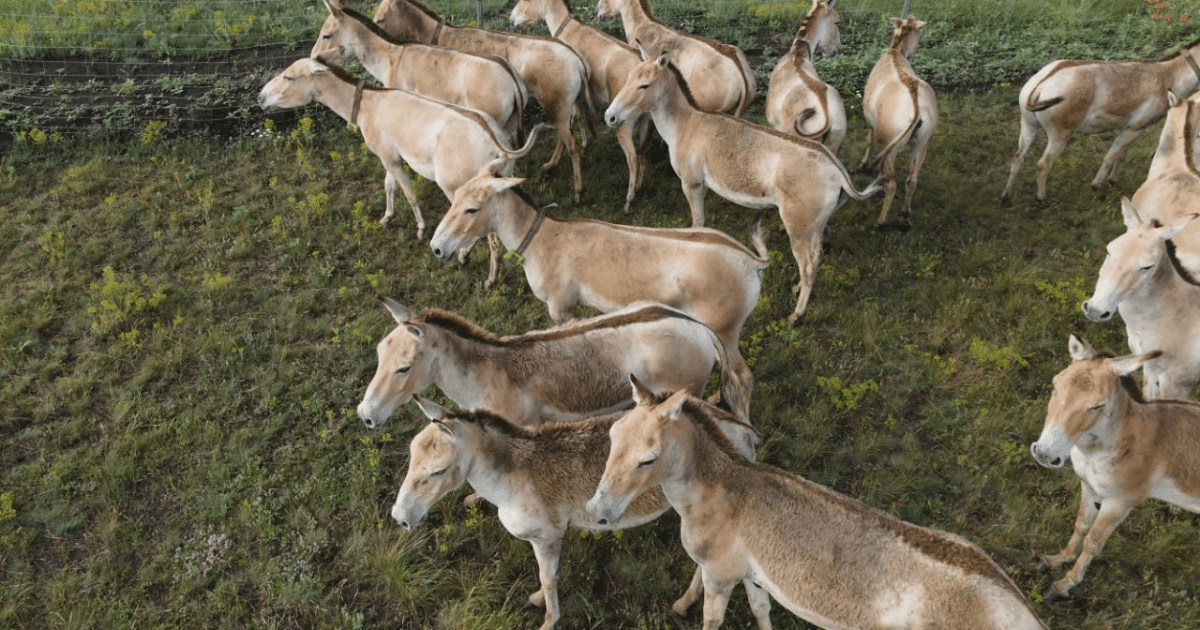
<point>436,466</point>
<point>819,29</point>
<point>472,214</point>
<point>337,39</point>
<point>645,87</point>
<point>1088,397</point>
<point>906,33</point>
<point>403,368</point>
<point>1133,260</point>
<point>638,453</point>
<point>293,87</point>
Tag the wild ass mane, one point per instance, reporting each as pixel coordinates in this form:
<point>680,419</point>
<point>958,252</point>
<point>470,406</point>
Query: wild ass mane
<point>463,327</point>
<point>1173,256</point>
<point>371,26</point>
<point>544,435</point>
<point>422,8</point>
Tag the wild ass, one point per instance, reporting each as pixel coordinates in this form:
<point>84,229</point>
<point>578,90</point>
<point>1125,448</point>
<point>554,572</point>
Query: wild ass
<point>748,164</point>
<point>1172,186</point>
<point>557,75</point>
<point>437,140</point>
<point>1123,448</point>
<point>798,101</point>
<point>483,83</point>
<point>563,373</point>
<point>539,479</point>
<point>1141,279</point>
<point>719,74</point>
<point>610,61</point>
<point>826,557</point>
<point>1068,97</point>
<point>700,271</point>
<point>901,110</point>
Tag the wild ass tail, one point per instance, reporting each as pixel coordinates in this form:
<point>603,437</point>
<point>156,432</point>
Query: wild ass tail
<point>805,117</point>
<point>730,384</point>
<point>533,134</point>
<point>1035,105</point>
<point>756,239</point>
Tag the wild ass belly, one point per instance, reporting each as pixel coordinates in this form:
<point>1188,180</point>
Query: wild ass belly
<point>1165,489</point>
<point>787,598</point>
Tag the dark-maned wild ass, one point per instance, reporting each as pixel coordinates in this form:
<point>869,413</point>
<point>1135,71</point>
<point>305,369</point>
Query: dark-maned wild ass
<point>438,140</point>
<point>702,272</point>
<point>484,83</point>
<point>1161,308</point>
<point>1067,97</point>
<point>556,74</point>
<point>539,479</point>
<point>901,110</point>
<point>563,373</point>
<point>719,75</point>
<point>826,557</point>
<point>748,164</point>
<point>1123,448</point>
<point>1172,186</point>
<point>609,60</point>
<point>798,101</point>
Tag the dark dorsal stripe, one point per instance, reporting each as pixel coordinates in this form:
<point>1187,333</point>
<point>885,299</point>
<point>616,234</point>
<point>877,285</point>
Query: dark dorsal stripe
<point>370,25</point>
<point>1179,269</point>
<point>461,327</point>
<point>682,83</point>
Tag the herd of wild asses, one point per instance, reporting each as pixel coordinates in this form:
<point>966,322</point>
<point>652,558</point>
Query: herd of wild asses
<point>544,428</point>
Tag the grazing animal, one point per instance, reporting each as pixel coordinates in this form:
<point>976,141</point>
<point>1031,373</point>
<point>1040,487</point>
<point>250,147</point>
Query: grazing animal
<point>557,75</point>
<point>748,164</point>
<point>438,140</point>
<point>1124,450</point>
<point>700,271</point>
<point>610,61</point>
<point>487,84</point>
<point>563,373</point>
<point>798,101</point>
<point>720,77</point>
<point>1172,186</point>
<point>826,557</point>
<point>1068,97</point>
<point>901,110</point>
<point>1141,279</point>
<point>539,479</point>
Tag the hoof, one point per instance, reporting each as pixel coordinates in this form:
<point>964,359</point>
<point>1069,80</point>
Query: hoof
<point>680,608</point>
<point>1052,595</point>
<point>793,318</point>
<point>1005,201</point>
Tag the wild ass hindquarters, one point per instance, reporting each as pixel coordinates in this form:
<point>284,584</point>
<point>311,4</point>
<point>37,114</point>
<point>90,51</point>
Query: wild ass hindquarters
<point>899,113</point>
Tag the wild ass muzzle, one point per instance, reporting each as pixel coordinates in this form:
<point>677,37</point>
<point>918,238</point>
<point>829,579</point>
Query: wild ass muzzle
<point>798,101</point>
<point>748,164</point>
<point>702,272</point>
<point>1141,279</point>
<point>563,373</point>
<point>438,140</point>
<point>609,60</point>
<point>1067,97</point>
<point>719,74</point>
<point>1172,186</point>
<point>901,110</point>
<point>539,479</point>
<point>1123,448</point>
<point>826,557</point>
<point>487,84</point>
<point>556,74</point>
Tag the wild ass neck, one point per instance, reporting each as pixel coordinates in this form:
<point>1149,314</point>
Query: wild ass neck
<point>455,376</point>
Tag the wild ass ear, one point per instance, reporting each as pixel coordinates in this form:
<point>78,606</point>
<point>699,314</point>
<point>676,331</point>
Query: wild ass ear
<point>918,24</point>
<point>1180,223</point>
<point>1129,364</point>
<point>1080,349</point>
<point>495,168</point>
<point>673,407</point>
<point>335,7</point>
<point>1173,99</point>
<point>664,58</point>
<point>501,184</point>
<point>399,313</point>
<point>642,395</point>
<point>1129,213</point>
<point>432,410</point>
<point>895,22</point>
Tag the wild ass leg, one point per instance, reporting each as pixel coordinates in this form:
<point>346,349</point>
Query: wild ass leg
<point>888,171</point>
<point>760,604</point>
<point>1110,168</point>
<point>547,551</point>
<point>632,158</point>
<point>493,261</point>
<point>806,249</point>
<point>396,174</point>
<point>1056,142</point>
<point>918,160</point>
<point>867,155</point>
<point>716,599</point>
<point>694,591</point>
<point>1029,129</point>
<point>562,123</point>
<point>694,192</point>
<point>1088,508</point>
<point>1110,515</point>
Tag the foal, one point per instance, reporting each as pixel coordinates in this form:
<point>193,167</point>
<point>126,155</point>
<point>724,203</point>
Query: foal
<point>1123,448</point>
<point>539,479</point>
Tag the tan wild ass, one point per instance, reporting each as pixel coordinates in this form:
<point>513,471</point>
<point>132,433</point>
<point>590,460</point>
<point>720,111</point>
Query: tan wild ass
<point>901,110</point>
<point>1123,448</point>
<point>438,140</point>
<point>557,75</point>
<point>1172,187</point>
<point>610,61</point>
<point>798,101</point>
<point>700,271</point>
<point>748,164</point>
<point>564,373</point>
<point>485,84</point>
<point>539,479</point>
<point>1160,307</point>
<point>1068,97</point>
<point>826,557</point>
<point>719,75</point>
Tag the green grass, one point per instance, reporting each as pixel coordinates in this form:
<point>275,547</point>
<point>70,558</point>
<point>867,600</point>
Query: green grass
<point>187,324</point>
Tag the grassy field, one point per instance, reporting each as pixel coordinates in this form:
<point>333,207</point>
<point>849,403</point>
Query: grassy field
<point>187,324</point>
